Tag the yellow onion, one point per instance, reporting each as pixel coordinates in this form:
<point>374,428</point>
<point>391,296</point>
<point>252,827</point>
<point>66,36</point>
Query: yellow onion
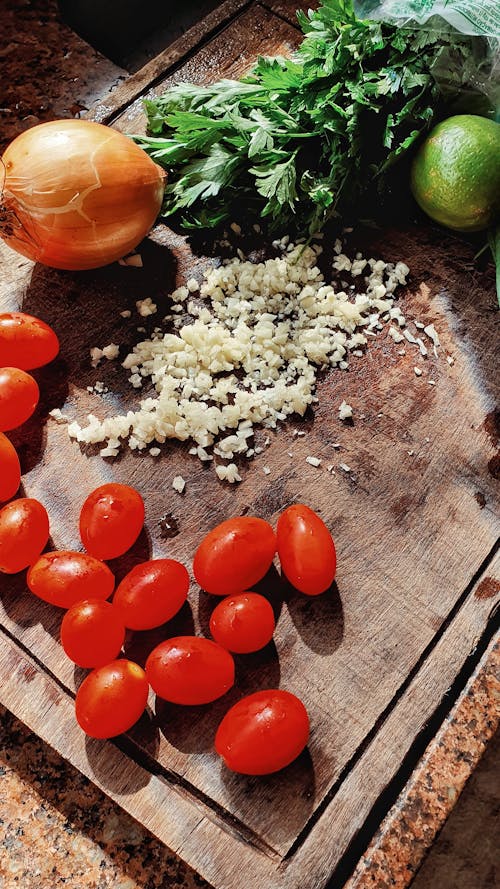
<point>77,195</point>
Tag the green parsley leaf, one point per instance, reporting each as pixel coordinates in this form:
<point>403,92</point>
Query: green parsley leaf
<point>298,140</point>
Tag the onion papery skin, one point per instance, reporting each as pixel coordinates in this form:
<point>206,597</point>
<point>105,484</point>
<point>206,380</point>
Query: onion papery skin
<point>77,194</point>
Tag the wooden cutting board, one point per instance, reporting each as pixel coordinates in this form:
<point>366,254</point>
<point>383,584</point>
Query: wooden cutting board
<point>413,519</point>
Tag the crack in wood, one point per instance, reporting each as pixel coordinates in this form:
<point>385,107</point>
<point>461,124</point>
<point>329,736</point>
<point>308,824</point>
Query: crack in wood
<point>288,21</point>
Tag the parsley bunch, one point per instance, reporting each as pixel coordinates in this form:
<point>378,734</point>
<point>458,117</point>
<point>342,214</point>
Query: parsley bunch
<point>298,140</point>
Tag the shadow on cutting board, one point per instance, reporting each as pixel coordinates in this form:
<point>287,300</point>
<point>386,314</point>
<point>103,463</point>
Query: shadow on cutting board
<point>318,619</point>
<point>289,793</point>
<point>130,32</point>
<point>134,777</point>
<point>140,643</point>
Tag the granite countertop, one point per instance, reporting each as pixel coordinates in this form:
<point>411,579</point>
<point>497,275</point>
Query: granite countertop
<point>56,828</point>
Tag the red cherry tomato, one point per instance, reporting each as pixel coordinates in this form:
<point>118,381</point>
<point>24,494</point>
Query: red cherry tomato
<point>111,520</point>
<point>10,470</point>
<point>243,623</point>
<point>25,341</point>
<point>190,670</point>
<point>263,732</point>
<point>24,531</point>
<point>234,555</point>
<point>92,633</point>
<point>19,394</point>
<point>306,550</point>
<point>151,593</point>
<point>64,578</point>
<point>111,699</point>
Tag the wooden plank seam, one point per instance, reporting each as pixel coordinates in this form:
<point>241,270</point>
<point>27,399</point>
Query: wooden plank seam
<point>330,795</point>
<point>174,56</point>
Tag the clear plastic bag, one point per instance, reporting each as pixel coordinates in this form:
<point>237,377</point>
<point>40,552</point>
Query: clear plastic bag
<point>480,92</point>
<point>478,17</point>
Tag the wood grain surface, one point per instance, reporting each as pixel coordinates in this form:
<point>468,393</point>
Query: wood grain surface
<point>287,9</point>
<point>414,522</point>
<point>135,85</point>
<point>231,53</point>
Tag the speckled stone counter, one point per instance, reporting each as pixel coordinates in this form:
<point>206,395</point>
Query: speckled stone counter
<point>413,823</point>
<point>56,828</point>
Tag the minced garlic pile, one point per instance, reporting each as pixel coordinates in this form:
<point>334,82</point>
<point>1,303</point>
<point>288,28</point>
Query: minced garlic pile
<point>245,349</point>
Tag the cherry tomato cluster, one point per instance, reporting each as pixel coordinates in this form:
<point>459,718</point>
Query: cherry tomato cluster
<point>264,731</point>
<point>25,344</point>
<point>114,695</point>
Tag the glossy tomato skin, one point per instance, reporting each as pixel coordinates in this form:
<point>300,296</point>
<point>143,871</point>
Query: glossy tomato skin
<point>111,699</point>
<point>243,623</point>
<point>92,633</point>
<point>151,593</point>
<point>24,531</point>
<point>10,469</point>
<point>19,394</point>
<point>190,670</point>
<point>263,732</point>
<point>64,578</point>
<point>25,341</point>
<point>235,555</point>
<point>111,520</point>
<point>306,550</point>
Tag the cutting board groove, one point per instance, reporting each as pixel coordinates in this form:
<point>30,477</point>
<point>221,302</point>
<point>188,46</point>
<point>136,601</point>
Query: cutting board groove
<point>412,675</point>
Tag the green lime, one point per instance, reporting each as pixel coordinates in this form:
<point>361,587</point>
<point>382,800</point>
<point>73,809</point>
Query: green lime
<point>455,175</point>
